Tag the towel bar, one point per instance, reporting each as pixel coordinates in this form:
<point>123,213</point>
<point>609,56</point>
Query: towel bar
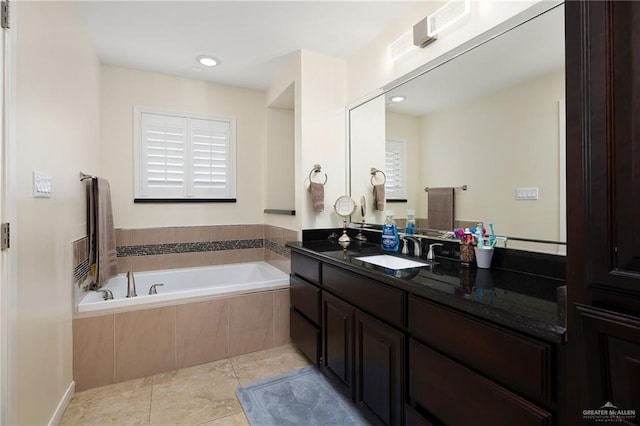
<point>84,176</point>
<point>463,187</point>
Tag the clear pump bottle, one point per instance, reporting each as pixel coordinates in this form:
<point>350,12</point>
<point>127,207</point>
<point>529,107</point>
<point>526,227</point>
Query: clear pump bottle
<point>411,223</point>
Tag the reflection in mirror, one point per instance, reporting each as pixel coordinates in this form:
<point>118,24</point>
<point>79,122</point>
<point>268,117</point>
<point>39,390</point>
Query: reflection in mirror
<point>492,119</point>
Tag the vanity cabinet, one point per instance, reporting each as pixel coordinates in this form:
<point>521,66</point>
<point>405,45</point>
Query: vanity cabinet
<point>407,360</point>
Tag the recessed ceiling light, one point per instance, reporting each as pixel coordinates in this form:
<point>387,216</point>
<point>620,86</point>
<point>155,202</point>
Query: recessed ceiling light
<point>398,98</point>
<point>208,61</point>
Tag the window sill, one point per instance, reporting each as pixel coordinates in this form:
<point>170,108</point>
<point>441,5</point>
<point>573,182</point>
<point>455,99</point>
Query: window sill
<point>183,200</point>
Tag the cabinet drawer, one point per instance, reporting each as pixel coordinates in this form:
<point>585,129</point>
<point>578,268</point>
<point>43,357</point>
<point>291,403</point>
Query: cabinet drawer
<point>305,298</point>
<point>305,335</point>
<point>413,418</point>
<point>306,267</point>
<point>456,395</point>
<point>382,301</point>
<point>519,362</point>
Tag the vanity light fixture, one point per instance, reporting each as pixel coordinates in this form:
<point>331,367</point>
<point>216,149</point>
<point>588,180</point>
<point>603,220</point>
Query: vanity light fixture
<point>398,98</point>
<point>208,61</point>
<point>447,15</point>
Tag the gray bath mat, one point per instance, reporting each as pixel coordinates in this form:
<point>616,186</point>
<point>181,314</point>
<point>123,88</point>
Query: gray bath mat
<point>302,397</point>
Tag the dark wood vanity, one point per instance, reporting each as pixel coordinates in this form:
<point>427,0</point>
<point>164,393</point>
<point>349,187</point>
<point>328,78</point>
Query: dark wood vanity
<point>416,348</point>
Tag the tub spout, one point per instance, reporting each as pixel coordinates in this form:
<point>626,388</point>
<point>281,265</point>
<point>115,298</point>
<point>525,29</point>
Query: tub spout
<point>131,285</point>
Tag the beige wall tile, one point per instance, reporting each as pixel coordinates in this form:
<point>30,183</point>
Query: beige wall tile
<point>223,257</point>
<point>274,233</point>
<point>191,260</point>
<point>124,264</point>
<point>123,237</point>
<point>146,236</point>
<point>255,232</point>
<point>93,361</point>
<point>250,323</point>
<point>281,317</point>
<point>145,342</point>
<point>289,235</point>
<point>202,332</point>
<point>153,262</point>
<point>279,262</point>
<point>192,234</point>
<point>229,232</point>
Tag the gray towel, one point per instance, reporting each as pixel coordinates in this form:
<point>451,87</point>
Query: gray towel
<point>440,208</point>
<point>378,197</point>
<point>317,196</point>
<point>102,235</point>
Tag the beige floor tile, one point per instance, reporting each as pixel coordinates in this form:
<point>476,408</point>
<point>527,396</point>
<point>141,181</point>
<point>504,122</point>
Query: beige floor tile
<point>235,420</point>
<point>195,395</point>
<point>121,388</point>
<point>267,363</point>
<point>129,407</point>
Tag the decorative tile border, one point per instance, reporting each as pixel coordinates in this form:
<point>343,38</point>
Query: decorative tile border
<point>277,248</point>
<point>154,249</point>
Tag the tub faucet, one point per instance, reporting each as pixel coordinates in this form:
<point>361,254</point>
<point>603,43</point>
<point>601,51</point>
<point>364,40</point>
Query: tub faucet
<point>106,294</point>
<point>131,285</point>
<point>153,289</point>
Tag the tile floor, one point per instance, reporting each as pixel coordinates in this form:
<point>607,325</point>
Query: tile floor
<point>200,395</point>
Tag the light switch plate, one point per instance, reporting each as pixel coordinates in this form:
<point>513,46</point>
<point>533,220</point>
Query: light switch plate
<point>41,185</point>
<point>526,193</point>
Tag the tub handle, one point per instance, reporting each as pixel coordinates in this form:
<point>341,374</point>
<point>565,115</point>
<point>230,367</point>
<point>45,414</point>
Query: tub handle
<point>106,294</point>
<point>153,290</point>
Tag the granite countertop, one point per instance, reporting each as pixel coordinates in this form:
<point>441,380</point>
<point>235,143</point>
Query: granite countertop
<point>524,302</point>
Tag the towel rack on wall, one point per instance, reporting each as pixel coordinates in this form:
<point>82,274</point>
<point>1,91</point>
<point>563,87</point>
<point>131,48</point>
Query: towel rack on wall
<point>463,188</point>
<point>84,176</point>
<point>375,171</point>
<point>317,169</point>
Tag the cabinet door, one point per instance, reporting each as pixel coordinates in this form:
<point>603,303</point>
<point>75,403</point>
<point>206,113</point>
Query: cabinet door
<point>337,344</point>
<point>611,349</point>
<point>379,366</point>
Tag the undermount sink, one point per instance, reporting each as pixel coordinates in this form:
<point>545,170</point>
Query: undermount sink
<point>392,262</point>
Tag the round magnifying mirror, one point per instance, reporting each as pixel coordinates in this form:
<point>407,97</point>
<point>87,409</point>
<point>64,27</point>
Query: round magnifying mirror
<point>344,206</point>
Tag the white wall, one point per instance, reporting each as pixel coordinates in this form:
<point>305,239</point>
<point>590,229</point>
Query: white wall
<point>322,138</point>
<point>460,146</point>
<point>280,160</point>
<point>123,88</point>
<point>58,133</point>
<point>371,68</point>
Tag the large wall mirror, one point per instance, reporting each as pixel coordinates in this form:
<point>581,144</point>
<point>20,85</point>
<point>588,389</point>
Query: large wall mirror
<point>489,117</point>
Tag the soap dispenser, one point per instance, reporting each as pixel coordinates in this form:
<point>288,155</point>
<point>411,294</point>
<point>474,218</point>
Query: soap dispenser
<point>390,239</point>
<point>411,223</point>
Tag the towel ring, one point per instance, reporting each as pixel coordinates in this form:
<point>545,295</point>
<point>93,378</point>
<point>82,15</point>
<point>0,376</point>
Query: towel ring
<point>373,174</point>
<point>318,169</point>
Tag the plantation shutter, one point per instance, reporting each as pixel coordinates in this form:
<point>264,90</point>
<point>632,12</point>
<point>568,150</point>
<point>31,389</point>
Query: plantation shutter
<point>394,168</point>
<point>184,157</point>
<point>211,157</point>
<point>163,155</point>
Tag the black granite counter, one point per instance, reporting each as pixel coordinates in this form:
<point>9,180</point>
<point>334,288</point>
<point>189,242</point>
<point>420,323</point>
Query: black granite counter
<point>522,301</point>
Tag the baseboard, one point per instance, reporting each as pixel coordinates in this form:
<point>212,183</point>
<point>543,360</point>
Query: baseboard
<point>62,405</point>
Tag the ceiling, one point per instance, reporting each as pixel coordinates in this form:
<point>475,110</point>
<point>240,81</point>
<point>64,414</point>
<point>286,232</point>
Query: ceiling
<point>253,39</point>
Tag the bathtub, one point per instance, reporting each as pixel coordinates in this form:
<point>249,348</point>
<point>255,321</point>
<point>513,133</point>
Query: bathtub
<point>183,286</point>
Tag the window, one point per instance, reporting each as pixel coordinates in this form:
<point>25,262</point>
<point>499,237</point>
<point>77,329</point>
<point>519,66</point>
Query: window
<point>395,169</point>
<point>183,158</point>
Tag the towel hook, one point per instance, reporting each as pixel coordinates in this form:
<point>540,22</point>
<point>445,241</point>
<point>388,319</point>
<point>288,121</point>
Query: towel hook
<point>374,171</point>
<point>317,169</point>
<point>84,176</point>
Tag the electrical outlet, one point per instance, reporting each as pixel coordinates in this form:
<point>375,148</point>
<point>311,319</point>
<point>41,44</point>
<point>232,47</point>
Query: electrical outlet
<point>526,193</point>
<point>41,185</point>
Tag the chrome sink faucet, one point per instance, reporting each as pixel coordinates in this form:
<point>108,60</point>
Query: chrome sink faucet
<point>131,285</point>
<point>416,246</point>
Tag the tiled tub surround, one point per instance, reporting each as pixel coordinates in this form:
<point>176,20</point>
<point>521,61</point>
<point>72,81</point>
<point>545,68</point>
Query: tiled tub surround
<point>121,346</point>
<point>150,249</point>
